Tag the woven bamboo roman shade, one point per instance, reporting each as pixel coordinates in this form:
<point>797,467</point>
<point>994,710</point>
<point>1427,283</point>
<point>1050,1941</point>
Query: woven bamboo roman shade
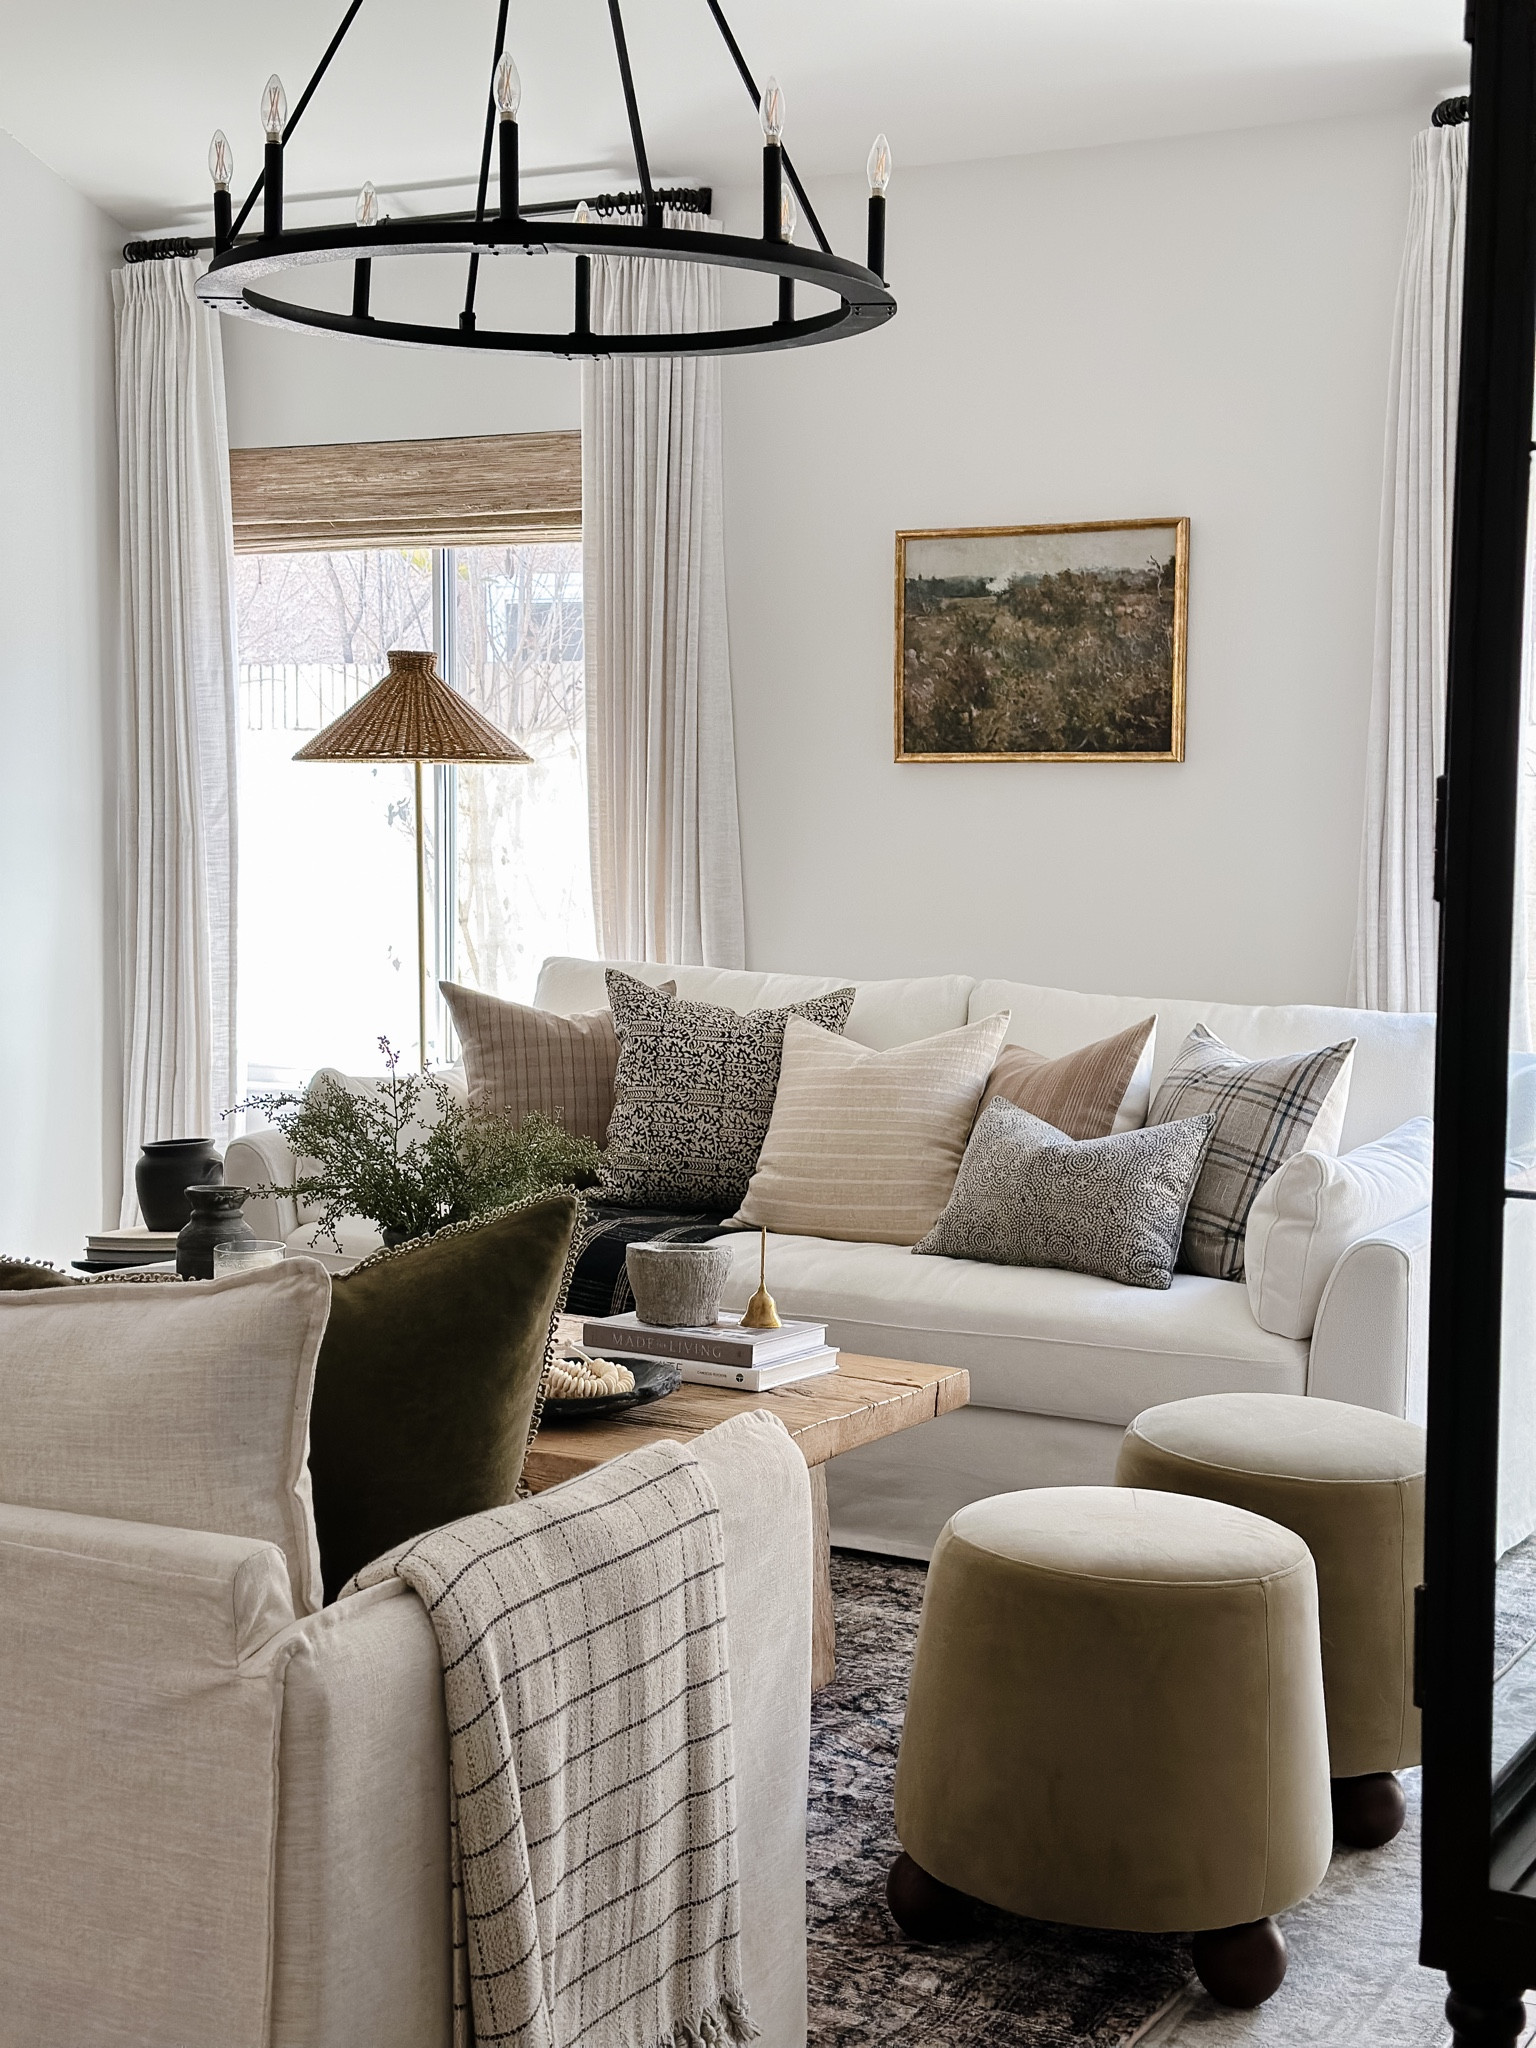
<point>380,494</point>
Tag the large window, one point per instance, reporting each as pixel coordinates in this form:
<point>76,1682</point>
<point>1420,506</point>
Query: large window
<point>327,851</point>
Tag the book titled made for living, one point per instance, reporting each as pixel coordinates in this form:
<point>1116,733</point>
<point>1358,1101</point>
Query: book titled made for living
<point>724,1343</point>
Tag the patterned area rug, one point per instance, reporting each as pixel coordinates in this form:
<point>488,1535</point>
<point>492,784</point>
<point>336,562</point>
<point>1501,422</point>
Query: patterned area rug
<point>1354,1972</point>
<point>1019,1983</point>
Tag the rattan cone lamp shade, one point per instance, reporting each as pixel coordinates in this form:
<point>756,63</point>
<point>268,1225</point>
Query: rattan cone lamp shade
<point>411,715</point>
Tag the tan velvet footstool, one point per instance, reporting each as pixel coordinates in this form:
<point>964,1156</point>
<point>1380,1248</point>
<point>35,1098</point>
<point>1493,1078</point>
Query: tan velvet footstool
<point>1350,1482</point>
<point>1116,1720</point>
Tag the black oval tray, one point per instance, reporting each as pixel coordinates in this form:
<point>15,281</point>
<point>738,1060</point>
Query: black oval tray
<point>652,1380</point>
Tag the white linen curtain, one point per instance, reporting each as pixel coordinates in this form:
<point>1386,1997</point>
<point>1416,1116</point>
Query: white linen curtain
<point>661,755</point>
<point>177,847</point>
<point>1396,938</point>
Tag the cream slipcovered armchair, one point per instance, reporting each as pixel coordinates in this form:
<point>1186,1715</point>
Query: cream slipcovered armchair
<point>223,1806</point>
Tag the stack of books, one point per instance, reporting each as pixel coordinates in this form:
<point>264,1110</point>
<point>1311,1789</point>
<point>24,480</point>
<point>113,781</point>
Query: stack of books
<point>723,1355</point>
<point>105,1249</point>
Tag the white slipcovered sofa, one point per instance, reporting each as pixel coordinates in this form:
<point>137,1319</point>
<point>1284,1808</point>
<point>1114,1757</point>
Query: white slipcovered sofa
<point>1059,1362</point>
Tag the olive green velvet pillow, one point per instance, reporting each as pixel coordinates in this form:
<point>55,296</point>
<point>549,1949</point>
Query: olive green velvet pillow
<point>428,1374</point>
<point>17,1275</point>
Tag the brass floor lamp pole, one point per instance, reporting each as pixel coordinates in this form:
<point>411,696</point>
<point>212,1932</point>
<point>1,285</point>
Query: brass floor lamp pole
<point>413,716</point>
<point>421,923</point>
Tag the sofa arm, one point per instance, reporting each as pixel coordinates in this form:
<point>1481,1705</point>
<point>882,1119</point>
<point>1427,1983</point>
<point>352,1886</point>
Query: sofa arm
<point>259,1159</point>
<point>1370,1343</point>
<point>137,1784</point>
<point>764,1490</point>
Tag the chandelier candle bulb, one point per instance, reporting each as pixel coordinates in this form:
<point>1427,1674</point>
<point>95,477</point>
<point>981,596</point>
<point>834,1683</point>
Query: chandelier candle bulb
<point>221,168</point>
<point>274,117</point>
<point>507,83</point>
<point>771,114</point>
<point>508,87</point>
<point>879,179</point>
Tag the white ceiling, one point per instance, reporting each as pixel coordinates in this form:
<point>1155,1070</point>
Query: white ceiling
<point>121,99</point>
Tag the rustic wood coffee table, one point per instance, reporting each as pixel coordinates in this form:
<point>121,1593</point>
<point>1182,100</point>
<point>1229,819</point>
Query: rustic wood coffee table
<point>866,1398</point>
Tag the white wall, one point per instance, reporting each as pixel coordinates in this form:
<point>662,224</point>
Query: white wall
<point>1194,327</point>
<point>285,388</point>
<point>58,563</point>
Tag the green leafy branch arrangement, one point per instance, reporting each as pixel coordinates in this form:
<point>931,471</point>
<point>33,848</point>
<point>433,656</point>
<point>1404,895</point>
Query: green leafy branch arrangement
<point>411,1155</point>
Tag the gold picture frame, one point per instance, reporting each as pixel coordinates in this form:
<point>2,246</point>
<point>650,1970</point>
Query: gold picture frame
<point>956,676</point>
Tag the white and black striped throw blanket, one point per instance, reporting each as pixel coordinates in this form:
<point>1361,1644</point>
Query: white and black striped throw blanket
<point>583,1639</point>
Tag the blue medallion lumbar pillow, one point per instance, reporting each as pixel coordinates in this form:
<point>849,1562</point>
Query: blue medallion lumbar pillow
<point>1266,1111</point>
<point>1028,1195</point>
<point>693,1094</point>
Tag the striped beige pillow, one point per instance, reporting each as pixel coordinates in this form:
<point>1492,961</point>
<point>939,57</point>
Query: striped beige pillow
<point>1095,1092</point>
<point>520,1059</point>
<point>865,1145</point>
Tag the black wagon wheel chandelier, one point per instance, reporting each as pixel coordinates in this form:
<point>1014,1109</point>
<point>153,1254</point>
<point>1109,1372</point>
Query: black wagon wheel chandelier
<point>235,280</point>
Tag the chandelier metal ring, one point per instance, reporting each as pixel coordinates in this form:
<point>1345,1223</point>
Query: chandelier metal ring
<point>230,281</point>
<point>231,284</point>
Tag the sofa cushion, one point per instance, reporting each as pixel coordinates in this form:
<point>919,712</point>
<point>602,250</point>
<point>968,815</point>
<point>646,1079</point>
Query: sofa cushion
<point>1392,1078</point>
<point>185,1405</point>
<point>521,1059</point>
<point>1028,1195</point>
<point>428,1376</point>
<point>866,1144</point>
<point>1308,1214</point>
<point>1265,1110</point>
<point>1095,1092</point>
<point>1034,1340</point>
<point>884,1013</point>
<point>694,1093</point>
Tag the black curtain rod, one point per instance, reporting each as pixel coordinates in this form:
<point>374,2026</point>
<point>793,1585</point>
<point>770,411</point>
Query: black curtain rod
<point>681,198</point>
<point>1452,112</point>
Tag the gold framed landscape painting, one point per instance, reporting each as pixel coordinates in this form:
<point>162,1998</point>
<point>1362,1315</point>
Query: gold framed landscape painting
<point>1042,643</point>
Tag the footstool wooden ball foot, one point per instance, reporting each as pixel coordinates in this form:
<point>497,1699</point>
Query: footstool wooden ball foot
<point>1368,1810</point>
<point>921,1906</point>
<point>1241,1966</point>
<point>1484,2016</point>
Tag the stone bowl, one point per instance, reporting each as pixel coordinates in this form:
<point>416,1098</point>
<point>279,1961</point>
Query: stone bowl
<point>677,1286</point>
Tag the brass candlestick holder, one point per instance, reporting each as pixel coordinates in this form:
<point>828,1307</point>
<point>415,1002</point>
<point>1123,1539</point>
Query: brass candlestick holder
<point>761,1313</point>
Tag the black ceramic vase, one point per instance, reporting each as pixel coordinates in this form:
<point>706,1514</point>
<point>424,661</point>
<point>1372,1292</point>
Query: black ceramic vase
<point>216,1220</point>
<point>164,1172</point>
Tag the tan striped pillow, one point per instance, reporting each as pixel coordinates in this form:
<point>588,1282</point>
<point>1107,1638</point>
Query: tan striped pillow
<point>520,1059</point>
<point>1095,1092</point>
<point>865,1145</point>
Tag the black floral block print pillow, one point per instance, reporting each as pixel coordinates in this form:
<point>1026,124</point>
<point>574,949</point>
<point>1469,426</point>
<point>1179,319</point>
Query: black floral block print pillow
<point>693,1094</point>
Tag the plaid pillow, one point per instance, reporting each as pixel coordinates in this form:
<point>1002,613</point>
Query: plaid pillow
<point>1265,1110</point>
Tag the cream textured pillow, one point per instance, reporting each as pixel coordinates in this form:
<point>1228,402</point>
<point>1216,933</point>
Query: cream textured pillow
<point>184,1406</point>
<point>1098,1091</point>
<point>1306,1216</point>
<point>865,1145</point>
